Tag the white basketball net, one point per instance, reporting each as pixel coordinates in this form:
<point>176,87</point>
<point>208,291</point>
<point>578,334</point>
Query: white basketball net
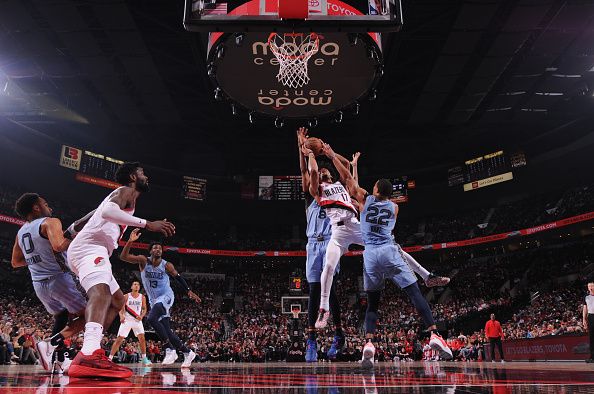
<point>293,51</point>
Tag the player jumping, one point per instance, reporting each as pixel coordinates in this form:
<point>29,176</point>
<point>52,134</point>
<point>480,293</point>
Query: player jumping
<point>383,259</point>
<point>318,236</point>
<point>88,257</point>
<point>40,245</point>
<point>131,317</point>
<point>155,272</point>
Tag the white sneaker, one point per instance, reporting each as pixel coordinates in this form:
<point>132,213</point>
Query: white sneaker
<point>188,357</point>
<point>46,351</point>
<point>170,356</point>
<point>502,361</point>
<point>368,355</point>
<point>322,321</point>
<point>437,343</point>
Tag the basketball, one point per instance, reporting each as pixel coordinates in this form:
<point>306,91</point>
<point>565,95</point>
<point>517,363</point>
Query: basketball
<point>315,144</point>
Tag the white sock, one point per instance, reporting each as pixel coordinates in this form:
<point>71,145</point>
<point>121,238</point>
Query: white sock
<point>143,355</point>
<point>415,266</point>
<point>110,357</point>
<point>93,336</point>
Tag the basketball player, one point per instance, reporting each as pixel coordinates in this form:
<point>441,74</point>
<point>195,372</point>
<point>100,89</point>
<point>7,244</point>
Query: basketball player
<point>155,272</point>
<point>336,201</point>
<point>131,317</point>
<point>382,259</point>
<point>318,236</point>
<point>40,245</point>
<point>88,257</point>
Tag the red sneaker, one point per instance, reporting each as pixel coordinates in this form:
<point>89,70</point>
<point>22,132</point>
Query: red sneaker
<point>97,365</point>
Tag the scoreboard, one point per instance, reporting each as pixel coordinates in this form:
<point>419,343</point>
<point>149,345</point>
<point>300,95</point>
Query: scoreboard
<point>91,167</point>
<point>280,188</point>
<point>100,166</point>
<point>486,170</point>
<point>193,188</point>
<point>400,188</point>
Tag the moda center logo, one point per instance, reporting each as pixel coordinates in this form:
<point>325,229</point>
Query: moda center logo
<point>326,56</point>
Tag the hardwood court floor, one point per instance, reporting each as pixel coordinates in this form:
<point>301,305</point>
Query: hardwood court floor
<point>399,377</point>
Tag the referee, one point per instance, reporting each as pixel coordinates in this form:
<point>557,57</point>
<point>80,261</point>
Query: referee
<point>589,319</point>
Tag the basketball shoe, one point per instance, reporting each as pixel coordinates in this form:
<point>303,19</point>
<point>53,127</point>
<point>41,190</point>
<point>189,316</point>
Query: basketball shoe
<point>188,358</point>
<point>434,280</point>
<point>97,365</point>
<point>336,347</point>
<point>46,352</point>
<point>170,356</point>
<point>438,344</point>
<point>311,351</point>
<point>368,355</point>
<point>322,321</point>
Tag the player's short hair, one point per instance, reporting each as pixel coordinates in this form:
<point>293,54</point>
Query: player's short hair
<point>136,281</point>
<point>330,167</point>
<point>126,170</point>
<point>153,243</point>
<point>24,204</point>
<point>590,283</point>
<point>384,187</point>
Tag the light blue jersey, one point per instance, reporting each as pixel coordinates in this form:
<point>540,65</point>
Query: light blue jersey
<point>156,283</point>
<point>318,224</point>
<point>382,258</point>
<point>318,235</point>
<point>42,261</point>
<point>378,220</point>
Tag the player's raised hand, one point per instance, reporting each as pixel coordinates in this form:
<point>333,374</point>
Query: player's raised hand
<point>161,226</point>
<point>194,296</point>
<point>305,150</point>
<point>356,156</point>
<point>327,151</point>
<point>135,234</point>
<point>301,135</point>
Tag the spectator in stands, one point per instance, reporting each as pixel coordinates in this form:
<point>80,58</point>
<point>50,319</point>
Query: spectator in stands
<point>494,334</point>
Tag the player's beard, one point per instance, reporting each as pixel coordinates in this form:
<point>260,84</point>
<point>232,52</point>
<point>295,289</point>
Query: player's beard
<point>142,187</point>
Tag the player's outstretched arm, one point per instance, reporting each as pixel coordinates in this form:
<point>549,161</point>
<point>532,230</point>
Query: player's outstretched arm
<point>314,174</point>
<point>18,259</point>
<point>352,186</point>
<point>301,136</point>
<point>354,166</point>
<point>113,212</point>
<point>52,229</point>
<point>128,257</point>
<point>182,282</point>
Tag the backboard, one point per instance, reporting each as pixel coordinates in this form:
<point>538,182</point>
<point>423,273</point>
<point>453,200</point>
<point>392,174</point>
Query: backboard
<point>285,15</point>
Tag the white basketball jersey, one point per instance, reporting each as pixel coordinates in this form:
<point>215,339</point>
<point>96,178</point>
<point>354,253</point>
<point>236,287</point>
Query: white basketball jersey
<point>133,305</point>
<point>99,231</point>
<point>335,199</point>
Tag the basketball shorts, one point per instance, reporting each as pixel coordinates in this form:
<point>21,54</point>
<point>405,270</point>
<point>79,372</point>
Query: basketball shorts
<point>167,301</point>
<point>92,266</point>
<point>385,262</point>
<point>346,234</point>
<point>314,264</point>
<point>130,324</point>
<point>60,292</point>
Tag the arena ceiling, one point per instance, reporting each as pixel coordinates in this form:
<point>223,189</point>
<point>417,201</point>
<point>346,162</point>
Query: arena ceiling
<point>462,78</point>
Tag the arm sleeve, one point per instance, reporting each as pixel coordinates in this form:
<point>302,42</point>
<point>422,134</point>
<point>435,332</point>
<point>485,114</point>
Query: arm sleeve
<point>180,279</point>
<point>112,213</point>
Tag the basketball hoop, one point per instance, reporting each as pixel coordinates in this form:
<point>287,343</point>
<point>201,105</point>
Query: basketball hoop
<point>293,51</point>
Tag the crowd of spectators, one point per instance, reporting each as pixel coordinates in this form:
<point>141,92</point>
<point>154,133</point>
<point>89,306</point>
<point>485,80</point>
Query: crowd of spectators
<point>206,231</point>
